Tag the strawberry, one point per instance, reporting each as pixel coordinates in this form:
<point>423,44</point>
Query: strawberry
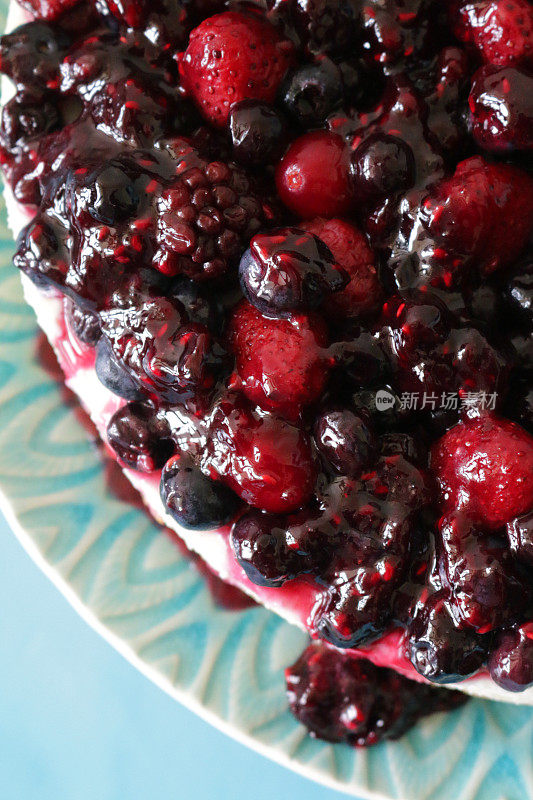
<point>500,30</point>
<point>485,468</point>
<point>351,252</point>
<point>233,57</point>
<point>281,364</point>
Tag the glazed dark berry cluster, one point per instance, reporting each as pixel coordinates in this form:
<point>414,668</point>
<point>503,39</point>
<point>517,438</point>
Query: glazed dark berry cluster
<point>298,237</point>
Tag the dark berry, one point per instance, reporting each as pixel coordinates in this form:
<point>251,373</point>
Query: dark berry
<point>140,437</point>
<point>440,651</point>
<point>289,270</point>
<point>346,441</point>
<point>340,698</point>
<point>207,216</point>
<point>194,500</point>
<point>200,307</point>
<point>260,546</point>
<point>312,92</point>
<point>84,324</point>
<point>511,663</point>
<point>113,375</point>
<point>258,133</point>
<point>383,165</point>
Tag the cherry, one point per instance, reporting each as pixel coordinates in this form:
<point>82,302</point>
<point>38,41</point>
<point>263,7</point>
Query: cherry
<point>304,186</point>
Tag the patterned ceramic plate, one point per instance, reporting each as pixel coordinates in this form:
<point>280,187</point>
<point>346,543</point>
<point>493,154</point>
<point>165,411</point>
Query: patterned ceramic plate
<point>130,582</point>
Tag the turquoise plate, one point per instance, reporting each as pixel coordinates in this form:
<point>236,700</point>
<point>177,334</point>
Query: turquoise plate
<point>130,582</point>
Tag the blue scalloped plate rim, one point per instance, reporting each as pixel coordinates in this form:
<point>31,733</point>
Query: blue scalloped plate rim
<point>130,582</point>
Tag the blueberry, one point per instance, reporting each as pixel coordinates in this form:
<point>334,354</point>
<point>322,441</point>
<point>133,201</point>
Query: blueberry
<point>259,543</point>
<point>258,133</point>
<point>140,437</point>
<point>511,663</point>
<point>113,375</point>
<point>346,440</point>
<point>313,91</point>
<point>289,270</point>
<point>382,165</point>
<point>114,196</point>
<point>194,500</point>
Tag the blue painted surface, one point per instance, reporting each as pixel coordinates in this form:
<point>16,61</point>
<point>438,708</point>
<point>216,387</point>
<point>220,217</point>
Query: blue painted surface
<point>77,722</point>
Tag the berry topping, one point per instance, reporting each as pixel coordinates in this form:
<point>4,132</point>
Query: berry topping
<point>232,57</point>
<point>289,270</point>
<point>114,376</point>
<point>48,9</point>
<point>267,461</point>
<point>343,699</point>
<point>139,437</point>
<point>485,467</point>
<point>306,188</point>
<point>281,363</point>
<point>194,500</point>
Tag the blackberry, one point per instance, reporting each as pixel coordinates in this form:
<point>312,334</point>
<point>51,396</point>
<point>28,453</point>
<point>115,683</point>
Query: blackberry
<point>206,217</point>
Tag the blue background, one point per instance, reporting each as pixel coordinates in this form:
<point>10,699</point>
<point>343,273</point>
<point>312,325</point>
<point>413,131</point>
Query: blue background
<point>77,722</point>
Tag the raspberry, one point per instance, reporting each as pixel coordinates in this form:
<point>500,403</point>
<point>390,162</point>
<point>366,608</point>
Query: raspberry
<point>351,252</point>
<point>281,363</point>
<point>206,217</point>
<point>233,57</point>
<point>265,460</point>
<point>500,30</point>
<point>485,467</point>
<point>303,184</point>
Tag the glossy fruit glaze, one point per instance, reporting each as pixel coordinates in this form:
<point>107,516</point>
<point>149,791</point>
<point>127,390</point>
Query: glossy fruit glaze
<point>334,208</point>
